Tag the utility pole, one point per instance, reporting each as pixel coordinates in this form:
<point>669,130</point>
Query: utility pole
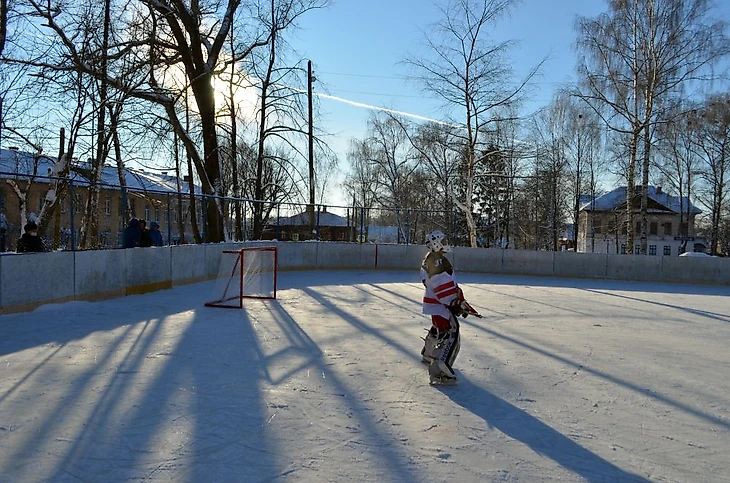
<point>310,208</point>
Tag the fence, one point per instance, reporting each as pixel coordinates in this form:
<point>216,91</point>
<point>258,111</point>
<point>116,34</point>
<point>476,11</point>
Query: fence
<point>182,219</point>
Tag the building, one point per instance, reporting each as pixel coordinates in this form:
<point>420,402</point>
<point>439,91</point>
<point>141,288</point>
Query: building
<point>150,196</point>
<point>327,227</point>
<point>670,231</point>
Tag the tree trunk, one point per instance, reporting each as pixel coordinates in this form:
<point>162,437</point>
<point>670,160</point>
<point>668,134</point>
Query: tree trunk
<point>630,194</point>
<point>645,189</point>
<point>205,97</point>
<point>180,214</point>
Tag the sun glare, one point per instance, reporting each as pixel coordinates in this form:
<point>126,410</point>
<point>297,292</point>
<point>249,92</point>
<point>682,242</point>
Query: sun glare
<point>245,95</point>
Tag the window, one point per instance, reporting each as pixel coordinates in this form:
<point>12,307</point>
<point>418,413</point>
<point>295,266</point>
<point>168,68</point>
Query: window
<point>667,250</point>
<point>174,216</point>
<point>157,214</point>
<point>597,226</point>
<point>652,249</point>
<point>638,227</point>
<point>108,206</point>
<point>667,229</point>
<point>623,249</point>
<point>132,208</point>
<point>654,229</point>
<point>683,227</point>
<point>146,212</point>
<point>637,249</point>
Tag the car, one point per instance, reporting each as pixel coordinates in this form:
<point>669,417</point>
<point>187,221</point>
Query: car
<point>696,255</point>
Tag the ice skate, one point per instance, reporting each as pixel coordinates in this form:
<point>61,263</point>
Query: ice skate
<point>440,373</point>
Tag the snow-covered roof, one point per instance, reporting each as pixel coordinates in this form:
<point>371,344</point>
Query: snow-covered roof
<point>322,218</point>
<point>613,199</point>
<point>19,162</point>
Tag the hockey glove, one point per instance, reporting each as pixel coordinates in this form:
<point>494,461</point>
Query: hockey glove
<point>459,306</point>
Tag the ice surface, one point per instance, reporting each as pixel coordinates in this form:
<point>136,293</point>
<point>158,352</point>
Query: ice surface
<point>572,380</point>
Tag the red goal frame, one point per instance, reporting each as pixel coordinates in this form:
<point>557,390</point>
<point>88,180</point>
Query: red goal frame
<point>238,274</point>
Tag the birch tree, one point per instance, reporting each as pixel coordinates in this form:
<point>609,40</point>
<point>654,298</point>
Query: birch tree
<point>469,72</point>
<point>637,56</point>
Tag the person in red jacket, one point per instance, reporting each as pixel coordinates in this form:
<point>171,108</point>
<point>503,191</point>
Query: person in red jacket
<point>443,300</point>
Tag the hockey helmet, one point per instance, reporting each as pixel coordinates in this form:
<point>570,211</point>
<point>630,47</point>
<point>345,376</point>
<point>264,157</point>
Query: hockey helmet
<point>435,242</point>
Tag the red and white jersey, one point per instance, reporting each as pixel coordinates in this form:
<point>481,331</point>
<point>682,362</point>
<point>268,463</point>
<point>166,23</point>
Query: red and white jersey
<point>437,276</point>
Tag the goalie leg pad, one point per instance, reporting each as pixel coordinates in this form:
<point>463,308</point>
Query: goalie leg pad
<point>445,353</point>
<point>430,345</point>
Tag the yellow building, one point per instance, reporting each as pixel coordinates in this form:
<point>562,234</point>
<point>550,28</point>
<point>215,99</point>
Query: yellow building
<point>153,197</point>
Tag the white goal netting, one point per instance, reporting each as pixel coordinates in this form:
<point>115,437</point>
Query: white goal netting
<point>245,273</point>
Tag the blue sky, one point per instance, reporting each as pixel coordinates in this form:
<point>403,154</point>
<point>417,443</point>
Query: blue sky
<point>357,48</point>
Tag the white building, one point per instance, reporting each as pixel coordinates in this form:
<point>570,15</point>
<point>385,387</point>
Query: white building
<point>602,223</point>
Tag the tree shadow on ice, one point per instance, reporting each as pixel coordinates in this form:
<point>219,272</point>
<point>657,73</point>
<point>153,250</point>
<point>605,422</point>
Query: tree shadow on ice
<point>702,313</point>
<point>63,323</point>
<point>658,396</point>
<point>538,436</point>
<point>593,283</point>
<point>312,278</point>
<point>185,405</point>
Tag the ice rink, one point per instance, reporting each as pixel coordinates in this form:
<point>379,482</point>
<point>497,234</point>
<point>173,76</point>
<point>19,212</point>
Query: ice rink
<point>571,380</point>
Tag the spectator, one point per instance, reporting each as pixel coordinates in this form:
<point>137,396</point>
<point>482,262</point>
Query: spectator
<point>155,234</point>
<point>30,242</point>
<point>144,237</point>
<point>3,231</point>
<point>132,234</point>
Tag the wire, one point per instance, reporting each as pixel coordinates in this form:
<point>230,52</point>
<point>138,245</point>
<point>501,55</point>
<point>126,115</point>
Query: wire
<point>376,94</point>
<point>369,76</point>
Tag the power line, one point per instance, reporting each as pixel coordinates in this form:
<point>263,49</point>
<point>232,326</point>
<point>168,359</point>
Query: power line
<point>368,76</point>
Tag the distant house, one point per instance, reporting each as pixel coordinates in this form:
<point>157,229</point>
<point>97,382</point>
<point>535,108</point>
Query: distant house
<point>602,226</point>
<point>149,196</point>
<point>326,226</point>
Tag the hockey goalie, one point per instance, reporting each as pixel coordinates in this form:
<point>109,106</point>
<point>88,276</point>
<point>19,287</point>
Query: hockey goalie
<point>444,301</point>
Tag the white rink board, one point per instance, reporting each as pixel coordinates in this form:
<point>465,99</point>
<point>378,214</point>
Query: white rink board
<point>28,278</point>
<point>99,273</point>
<point>187,262</point>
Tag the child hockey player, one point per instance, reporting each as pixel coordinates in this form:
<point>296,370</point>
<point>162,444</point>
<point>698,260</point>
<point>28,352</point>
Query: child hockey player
<point>443,301</point>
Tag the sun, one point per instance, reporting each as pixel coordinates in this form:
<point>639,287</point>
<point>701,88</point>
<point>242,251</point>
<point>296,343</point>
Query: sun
<point>245,94</point>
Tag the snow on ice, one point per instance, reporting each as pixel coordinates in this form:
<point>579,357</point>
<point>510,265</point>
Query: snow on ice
<point>571,380</point>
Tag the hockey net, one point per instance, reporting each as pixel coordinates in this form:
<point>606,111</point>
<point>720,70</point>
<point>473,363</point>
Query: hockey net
<point>245,273</point>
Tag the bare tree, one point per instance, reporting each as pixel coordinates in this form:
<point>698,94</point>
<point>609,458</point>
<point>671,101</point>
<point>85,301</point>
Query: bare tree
<point>472,77</point>
<point>281,110</point>
<point>175,34</point>
<point>3,24</point>
<point>549,138</point>
<point>639,55</point>
<point>679,162</point>
<point>387,149</point>
<point>713,142</point>
<point>582,141</point>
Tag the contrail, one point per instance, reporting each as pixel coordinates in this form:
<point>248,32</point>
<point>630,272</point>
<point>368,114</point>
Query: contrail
<point>383,109</point>
<point>375,108</point>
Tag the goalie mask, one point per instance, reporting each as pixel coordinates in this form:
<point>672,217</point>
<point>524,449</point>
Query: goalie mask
<point>435,242</point>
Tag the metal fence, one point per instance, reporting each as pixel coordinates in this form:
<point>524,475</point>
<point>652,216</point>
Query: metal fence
<point>182,217</point>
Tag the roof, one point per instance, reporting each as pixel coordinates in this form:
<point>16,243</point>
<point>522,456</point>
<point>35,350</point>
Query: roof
<point>321,218</point>
<point>613,199</point>
<point>19,162</point>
